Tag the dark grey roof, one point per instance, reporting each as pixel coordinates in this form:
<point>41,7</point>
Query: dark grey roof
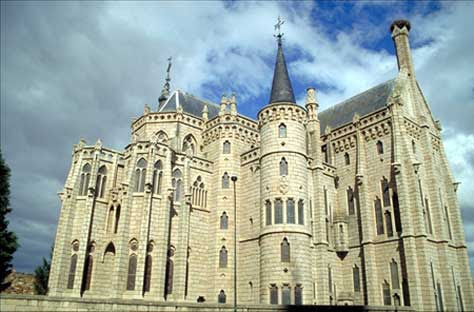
<point>190,104</point>
<point>281,86</point>
<point>362,104</point>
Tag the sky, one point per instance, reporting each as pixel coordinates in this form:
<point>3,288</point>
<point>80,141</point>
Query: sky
<point>73,70</point>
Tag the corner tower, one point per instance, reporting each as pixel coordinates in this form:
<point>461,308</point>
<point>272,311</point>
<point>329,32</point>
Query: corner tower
<point>285,265</point>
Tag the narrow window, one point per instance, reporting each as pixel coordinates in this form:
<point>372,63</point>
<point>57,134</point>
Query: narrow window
<point>282,131</point>
<point>388,223</point>
<point>326,201</point>
<point>186,275</point>
<point>177,184</point>
<point>421,192</point>
<point>147,280</point>
<point>385,192</point>
<point>110,220</point>
<point>356,278</point>
<point>225,181</point>
<point>132,272</point>
<point>327,230</point>
<point>330,279</point>
<point>273,294</point>
<point>283,167</point>
<point>226,148</point>
<point>413,146</point>
<point>157,177</point>
<point>378,216</point>
<point>72,272</point>
<point>301,212</point>
<point>221,297</point>
<point>396,213</point>
<point>223,257</point>
<point>268,211</point>
<point>350,201</point>
<point>298,295</point>
<point>394,275</point>
<point>117,218</point>
<point>440,296</point>
<point>448,223</point>
<point>169,276</point>
<point>290,211</point>
<point>347,159</point>
<point>387,297</point>
<point>88,274</point>
<point>140,174</point>
<point>101,181</point>
<point>396,300</point>
<point>428,216</point>
<point>380,147</point>
<point>461,303</point>
<point>324,151</point>
<point>278,211</point>
<point>406,292</point>
<point>224,221</point>
<point>285,250</point>
<point>286,295</point>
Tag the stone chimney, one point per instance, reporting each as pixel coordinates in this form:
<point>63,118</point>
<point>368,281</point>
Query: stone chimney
<point>400,30</point>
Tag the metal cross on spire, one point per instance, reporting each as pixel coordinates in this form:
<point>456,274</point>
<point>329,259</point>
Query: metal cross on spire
<point>278,27</point>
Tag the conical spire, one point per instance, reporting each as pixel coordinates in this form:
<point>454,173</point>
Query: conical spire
<point>282,90</point>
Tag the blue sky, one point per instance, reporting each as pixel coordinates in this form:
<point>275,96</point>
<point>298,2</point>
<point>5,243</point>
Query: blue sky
<point>73,70</point>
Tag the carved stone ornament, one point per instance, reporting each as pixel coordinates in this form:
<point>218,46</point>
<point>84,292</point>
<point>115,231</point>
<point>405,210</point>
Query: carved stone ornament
<point>91,192</point>
<point>310,96</point>
<point>115,194</point>
<point>359,179</point>
<point>148,187</point>
<point>284,185</point>
<point>397,167</point>
<point>98,144</point>
<point>416,166</point>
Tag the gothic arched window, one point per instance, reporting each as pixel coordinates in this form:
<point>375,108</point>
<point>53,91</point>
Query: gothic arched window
<point>290,211</point>
<point>413,147</point>
<point>387,298</point>
<point>224,221</point>
<point>378,216</point>
<point>298,295</point>
<point>226,147</point>
<point>268,212</point>
<point>157,177</point>
<point>283,167</point>
<point>189,145</point>
<point>85,177</point>
<point>132,272</point>
<point>100,182</point>
<point>278,211</point>
<point>223,257</point>
<point>72,272</point>
<point>88,273</point>
<point>301,212</point>
<point>147,280</point>
<point>110,219</point>
<point>286,294</point>
<point>177,184</point>
<point>169,272</point>
<point>350,201</point>
<point>140,174</point>
<point>285,250</point>
<point>221,298</point>
<point>388,223</point>
<point>199,193</point>
<point>379,147</point>
<point>117,218</point>
<point>225,180</point>
<point>347,159</point>
<point>282,131</point>
<point>273,294</point>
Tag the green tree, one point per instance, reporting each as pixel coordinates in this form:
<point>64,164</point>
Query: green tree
<point>42,275</point>
<point>8,240</point>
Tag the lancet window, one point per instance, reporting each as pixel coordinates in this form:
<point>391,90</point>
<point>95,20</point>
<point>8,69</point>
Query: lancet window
<point>223,257</point>
<point>286,295</point>
<point>298,295</point>
<point>221,297</point>
<point>224,224</point>
<point>225,181</point>
<point>356,278</point>
<point>273,294</point>
<point>88,268</point>
<point>387,297</point>
<point>148,266</point>
<point>140,174</point>
<point>394,274</point>
<point>378,216</point>
<point>189,145</point>
<point>347,159</point>
<point>350,201</point>
<point>101,182</point>
<point>301,212</point>
<point>283,167</point>
<point>379,147</point>
<point>73,265</point>
<point>282,131</point>
<point>85,177</point>
<point>157,177</point>
<point>226,147</point>
<point>132,271</point>
<point>278,211</point>
<point>290,211</point>
<point>268,212</point>
<point>285,250</point>
<point>177,183</point>
<point>169,271</point>
<point>199,193</point>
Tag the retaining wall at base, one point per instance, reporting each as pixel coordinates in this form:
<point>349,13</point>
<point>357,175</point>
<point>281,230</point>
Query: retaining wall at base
<point>46,303</point>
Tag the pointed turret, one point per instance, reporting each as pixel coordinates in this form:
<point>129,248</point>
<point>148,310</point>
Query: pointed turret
<point>165,92</point>
<point>282,90</point>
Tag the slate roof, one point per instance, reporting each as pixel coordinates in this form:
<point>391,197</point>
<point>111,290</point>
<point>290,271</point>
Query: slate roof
<point>363,104</point>
<point>190,104</point>
<point>282,90</point>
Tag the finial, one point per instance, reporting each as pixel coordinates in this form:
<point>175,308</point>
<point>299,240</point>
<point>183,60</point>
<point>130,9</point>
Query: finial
<point>223,104</point>
<point>205,111</point>
<point>165,92</point>
<point>278,27</point>
<point>233,104</point>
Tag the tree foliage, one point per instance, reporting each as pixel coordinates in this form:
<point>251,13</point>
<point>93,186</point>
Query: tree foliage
<point>42,276</point>
<point>8,240</point>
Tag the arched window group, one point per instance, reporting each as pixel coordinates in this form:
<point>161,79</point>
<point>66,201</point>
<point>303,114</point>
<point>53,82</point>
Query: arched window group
<point>387,210</point>
<point>199,193</point>
<point>101,182</point>
<point>189,145</point>
<point>177,183</point>
<point>85,178</point>
<point>277,214</point>
<point>157,177</point>
<point>140,174</point>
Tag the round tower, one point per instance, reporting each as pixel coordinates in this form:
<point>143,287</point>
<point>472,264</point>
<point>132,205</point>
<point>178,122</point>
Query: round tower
<point>285,257</point>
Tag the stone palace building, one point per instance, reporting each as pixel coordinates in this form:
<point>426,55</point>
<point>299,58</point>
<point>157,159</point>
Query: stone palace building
<point>352,205</point>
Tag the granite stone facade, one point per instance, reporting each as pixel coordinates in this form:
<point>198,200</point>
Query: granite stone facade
<point>353,205</point>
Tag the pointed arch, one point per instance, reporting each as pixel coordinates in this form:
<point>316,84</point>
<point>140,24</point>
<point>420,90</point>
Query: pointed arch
<point>85,177</point>
<point>101,181</point>
<point>189,145</point>
<point>350,200</point>
<point>110,219</point>
<point>157,177</point>
<point>225,180</point>
<point>356,278</point>
<point>283,167</point>
<point>285,250</point>
<point>72,271</point>
<point>394,274</point>
<point>347,159</point>
<point>223,257</point>
<point>385,192</point>
<point>224,224</point>
<point>379,146</point>
<point>268,212</point>
<point>290,211</point>
<point>140,174</point>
